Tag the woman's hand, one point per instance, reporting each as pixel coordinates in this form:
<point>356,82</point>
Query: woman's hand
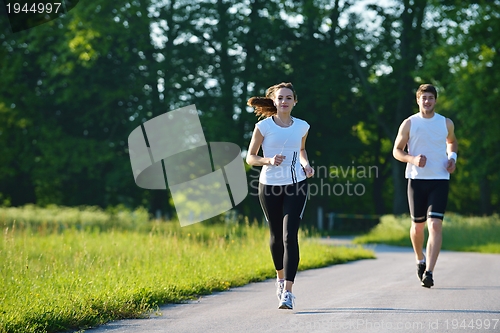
<point>276,160</point>
<point>309,171</point>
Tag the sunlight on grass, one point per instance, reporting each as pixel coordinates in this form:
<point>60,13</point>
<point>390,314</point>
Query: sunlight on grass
<point>54,218</point>
<point>476,234</point>
<point>59,274</point>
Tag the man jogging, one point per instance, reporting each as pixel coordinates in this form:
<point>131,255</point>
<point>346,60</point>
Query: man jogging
<point>430,159</point>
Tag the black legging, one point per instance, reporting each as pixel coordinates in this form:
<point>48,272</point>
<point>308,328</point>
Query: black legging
<point>283,206</point>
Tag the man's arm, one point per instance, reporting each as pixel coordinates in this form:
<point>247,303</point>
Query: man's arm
<point>451,146</point>
<point>400,143</point>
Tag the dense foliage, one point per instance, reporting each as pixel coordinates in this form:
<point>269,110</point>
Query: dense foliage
<point>73,89</point>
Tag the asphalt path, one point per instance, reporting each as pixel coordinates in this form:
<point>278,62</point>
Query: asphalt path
<point>381,295</point>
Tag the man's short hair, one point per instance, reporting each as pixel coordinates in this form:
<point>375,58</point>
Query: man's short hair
<point>427,88</point>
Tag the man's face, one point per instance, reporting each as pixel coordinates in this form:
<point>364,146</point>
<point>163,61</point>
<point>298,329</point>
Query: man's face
<point>426,102</point>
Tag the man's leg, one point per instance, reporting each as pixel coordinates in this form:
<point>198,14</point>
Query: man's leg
<point>417,239</point>
<point>417,201</point>
<point>438,200</point>
<point>435,227</point>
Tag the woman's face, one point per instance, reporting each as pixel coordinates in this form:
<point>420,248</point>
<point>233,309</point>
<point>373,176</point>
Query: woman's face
<point>284,100</point>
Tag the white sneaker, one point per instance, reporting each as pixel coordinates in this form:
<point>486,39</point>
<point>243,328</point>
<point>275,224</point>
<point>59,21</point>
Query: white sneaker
<point>280,285</point>
<point>287,300</point>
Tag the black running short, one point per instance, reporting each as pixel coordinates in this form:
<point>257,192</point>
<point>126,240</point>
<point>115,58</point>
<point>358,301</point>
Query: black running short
<point>427,198</point>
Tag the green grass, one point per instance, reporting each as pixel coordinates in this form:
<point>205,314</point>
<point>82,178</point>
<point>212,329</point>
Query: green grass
<point>58,274</point>
<point>472,234</point>
<point>54,218</point>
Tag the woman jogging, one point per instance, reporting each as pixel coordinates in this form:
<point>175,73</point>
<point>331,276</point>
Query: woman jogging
<point>283,179</point>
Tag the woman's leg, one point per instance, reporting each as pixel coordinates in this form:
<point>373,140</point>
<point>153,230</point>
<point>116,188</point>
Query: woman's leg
<point>271,200</point>
<point>293,205</point>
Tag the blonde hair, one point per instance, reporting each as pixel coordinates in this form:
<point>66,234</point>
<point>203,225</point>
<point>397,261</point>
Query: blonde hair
<point>264,106</point>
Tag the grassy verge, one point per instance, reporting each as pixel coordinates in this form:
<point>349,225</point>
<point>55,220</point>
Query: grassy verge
<point>473,234</point>
<point>58,274</point>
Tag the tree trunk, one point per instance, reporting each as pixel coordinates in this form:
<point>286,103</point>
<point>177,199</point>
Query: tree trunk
<point>485,196</point>
<point>411,47</point>
<point>400,200</point>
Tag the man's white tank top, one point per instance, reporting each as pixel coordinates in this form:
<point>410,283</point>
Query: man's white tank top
<point>286,141</point>
<point>428,137</point>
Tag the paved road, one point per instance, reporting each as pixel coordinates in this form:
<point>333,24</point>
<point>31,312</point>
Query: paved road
<point>382,295</point>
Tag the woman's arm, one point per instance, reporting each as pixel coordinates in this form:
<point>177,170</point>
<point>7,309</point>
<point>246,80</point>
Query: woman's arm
<point>253,149</point>
<point>304,161</point>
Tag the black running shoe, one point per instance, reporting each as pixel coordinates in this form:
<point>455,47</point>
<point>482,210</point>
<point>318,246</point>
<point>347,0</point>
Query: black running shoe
<point>427,280</point>
<point>420,270</point>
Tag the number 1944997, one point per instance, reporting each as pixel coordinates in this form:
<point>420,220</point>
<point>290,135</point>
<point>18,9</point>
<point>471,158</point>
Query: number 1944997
<point>35,8</point>
<point>473,324</point>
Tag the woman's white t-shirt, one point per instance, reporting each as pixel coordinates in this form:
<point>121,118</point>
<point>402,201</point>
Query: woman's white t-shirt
<point>285,141</point>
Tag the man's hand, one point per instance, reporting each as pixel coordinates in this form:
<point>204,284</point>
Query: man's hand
<point>419,160</point>
<point>450,165</point>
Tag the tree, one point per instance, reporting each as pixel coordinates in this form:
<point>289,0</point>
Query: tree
<point>76,102</point>
<point>390,87</point>
<point>464,62</point>
<point>77,87</point>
